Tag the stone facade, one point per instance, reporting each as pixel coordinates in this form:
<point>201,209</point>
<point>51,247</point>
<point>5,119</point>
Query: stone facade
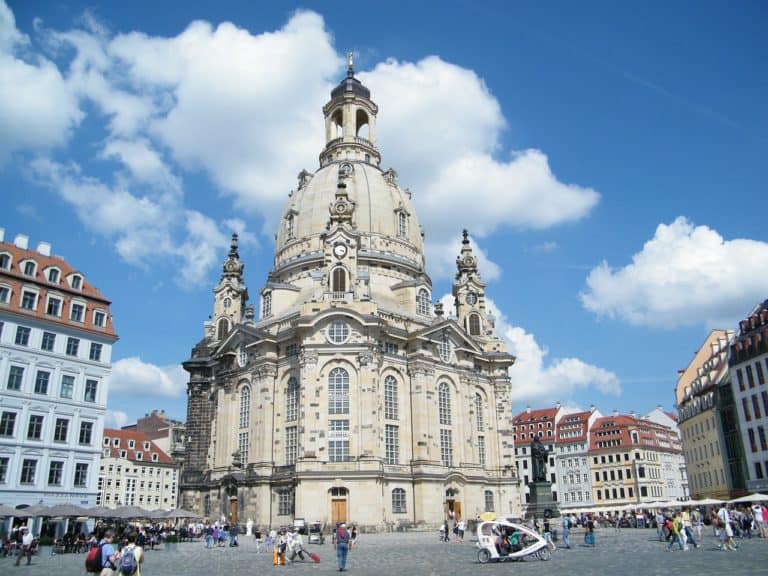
<point>351,397</point>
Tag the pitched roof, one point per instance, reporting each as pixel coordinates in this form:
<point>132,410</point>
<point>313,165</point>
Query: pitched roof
<point>139,439</point>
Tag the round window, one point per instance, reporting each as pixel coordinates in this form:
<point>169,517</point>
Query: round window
<point>338,332</point>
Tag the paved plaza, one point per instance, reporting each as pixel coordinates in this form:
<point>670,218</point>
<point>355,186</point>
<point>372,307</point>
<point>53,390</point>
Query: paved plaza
<point>630,551</point>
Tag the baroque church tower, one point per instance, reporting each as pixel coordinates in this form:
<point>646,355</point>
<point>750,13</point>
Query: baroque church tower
<point>350,398</point>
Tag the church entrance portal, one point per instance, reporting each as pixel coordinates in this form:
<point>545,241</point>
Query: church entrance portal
<point>452,506</point>
<point>339,504</point>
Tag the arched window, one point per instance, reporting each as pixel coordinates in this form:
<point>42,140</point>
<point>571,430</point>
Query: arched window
<point>29,268</point>
<point>245,406</point>
<point>339,280</point>
<point>398,501</point>
<point>222,328</point>
<point>444,403</point>
<point>422,302</point>
<point>390,398</point>
<point>402,224</point>
<point>474,325</point>
<point>479,412</point>
<point>338,391</point>
<point>5,261</point>
<point>444,348</point>
<point>290,230</point>
<point>292,400</point>
<point>488,501</point>
<point>266,305</point>
<point>361,124</point>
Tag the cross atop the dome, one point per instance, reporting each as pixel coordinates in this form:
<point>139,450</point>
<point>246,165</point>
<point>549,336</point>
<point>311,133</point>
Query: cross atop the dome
<point>350,64</point>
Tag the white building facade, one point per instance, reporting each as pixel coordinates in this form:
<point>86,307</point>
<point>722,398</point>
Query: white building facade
<point>134,471</point>
<point>56,338</point>
<point>748,366</point>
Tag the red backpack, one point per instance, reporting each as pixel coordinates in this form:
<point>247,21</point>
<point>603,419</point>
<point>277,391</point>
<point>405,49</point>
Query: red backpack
<point>93,560</point>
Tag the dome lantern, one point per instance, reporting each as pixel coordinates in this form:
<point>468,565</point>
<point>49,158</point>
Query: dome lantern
<point>350,122</point>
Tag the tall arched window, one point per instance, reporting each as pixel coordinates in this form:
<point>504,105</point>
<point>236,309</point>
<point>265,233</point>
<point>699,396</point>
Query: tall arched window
<point>289,226</point>
<point>338,391</point>
<point>266,305</point>
<point>422,302</point>
<point>402,224</point>
<point>444,403</point>
<point>390,398</point>
<point>245,406</point>
<point>292,400</point>
<point>222,328</point>
<point>398,501</point>
<point>474,325</point>
<point>339,280</point>
<point>479,412</point>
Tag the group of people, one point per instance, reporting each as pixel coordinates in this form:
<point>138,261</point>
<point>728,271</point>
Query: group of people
<point>459,527</point>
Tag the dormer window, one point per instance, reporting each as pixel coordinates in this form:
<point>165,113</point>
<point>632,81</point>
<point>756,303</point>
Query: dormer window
<point>123,454</point>
<point>99,318</point>
<point>53,275</point>
<point>154,457</point>
<point>29,268</point>
<point>139,455</point>
<point>106,441</point>
<point>116,442</point>
<point>28,299</point>
<point>131,444</point>
<point>77,312</point>
<point>146,445</point>
<point>5,261</point>
<point>76,281</point>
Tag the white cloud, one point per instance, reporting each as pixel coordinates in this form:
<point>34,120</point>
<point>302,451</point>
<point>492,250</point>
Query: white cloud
<point>440,127</point>
<point>245,109</point>
<point>537,381</point>
<point>115,419</point>
<point>38,109</point>
<point>684,275</point>
<point>141,378</point>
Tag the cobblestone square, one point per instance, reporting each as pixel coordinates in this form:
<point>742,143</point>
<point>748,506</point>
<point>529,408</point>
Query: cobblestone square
<point>626,552</point>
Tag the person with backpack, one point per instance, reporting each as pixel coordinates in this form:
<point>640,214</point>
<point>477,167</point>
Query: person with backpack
<point>109,556</point>
<point>342,545</point>
<point>131,557</point>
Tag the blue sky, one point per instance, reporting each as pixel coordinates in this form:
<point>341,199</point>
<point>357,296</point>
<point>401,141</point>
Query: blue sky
<point>607,159</point>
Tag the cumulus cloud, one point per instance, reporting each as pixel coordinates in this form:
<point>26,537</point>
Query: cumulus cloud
<point>141,378</point>
<point>440,126</point>
<point>38,108</point>
<point>684,275</point>
<point>536,379</point>
<point>245,110</point>
<point>115,419</point>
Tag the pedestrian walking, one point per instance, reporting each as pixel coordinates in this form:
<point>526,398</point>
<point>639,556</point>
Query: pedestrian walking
<point>25,549</point>
<point>341,540</point>
<point>589,534</point>
<point>131,557</point>
<point>673,525</point>
<point>109,556</point>
<point>566,531</point>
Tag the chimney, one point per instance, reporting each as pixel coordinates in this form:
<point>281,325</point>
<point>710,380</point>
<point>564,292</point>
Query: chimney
<point>615,413</point>
<point>557,406</point>
<point>528,409</point>
<point>44,248</point>
<point>592,408</point>
<point>2,234</point>
<point>21,241</point>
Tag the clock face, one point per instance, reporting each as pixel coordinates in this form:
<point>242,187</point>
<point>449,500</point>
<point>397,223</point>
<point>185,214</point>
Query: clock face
<point>340,250</point>
<point>471,298</point>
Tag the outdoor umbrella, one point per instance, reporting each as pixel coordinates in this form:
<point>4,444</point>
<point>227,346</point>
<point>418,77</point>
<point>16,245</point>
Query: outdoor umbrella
<point>100,512</point>
<point>181,513</point>
<point>65,511</point>
<point>705,502</point>
<point>130,512</point>
<point>756,497</point>
<point>30,511</point>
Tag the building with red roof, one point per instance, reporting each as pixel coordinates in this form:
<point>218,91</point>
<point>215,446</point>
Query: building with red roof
<point>136,472</point>
<point>56,337</point>
<point>572,458</point>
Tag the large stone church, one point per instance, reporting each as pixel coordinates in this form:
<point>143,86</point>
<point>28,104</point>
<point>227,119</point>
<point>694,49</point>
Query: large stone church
<point>350,397</point>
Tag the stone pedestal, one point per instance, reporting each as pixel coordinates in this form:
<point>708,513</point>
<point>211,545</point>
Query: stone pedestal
<point>541,501</point>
